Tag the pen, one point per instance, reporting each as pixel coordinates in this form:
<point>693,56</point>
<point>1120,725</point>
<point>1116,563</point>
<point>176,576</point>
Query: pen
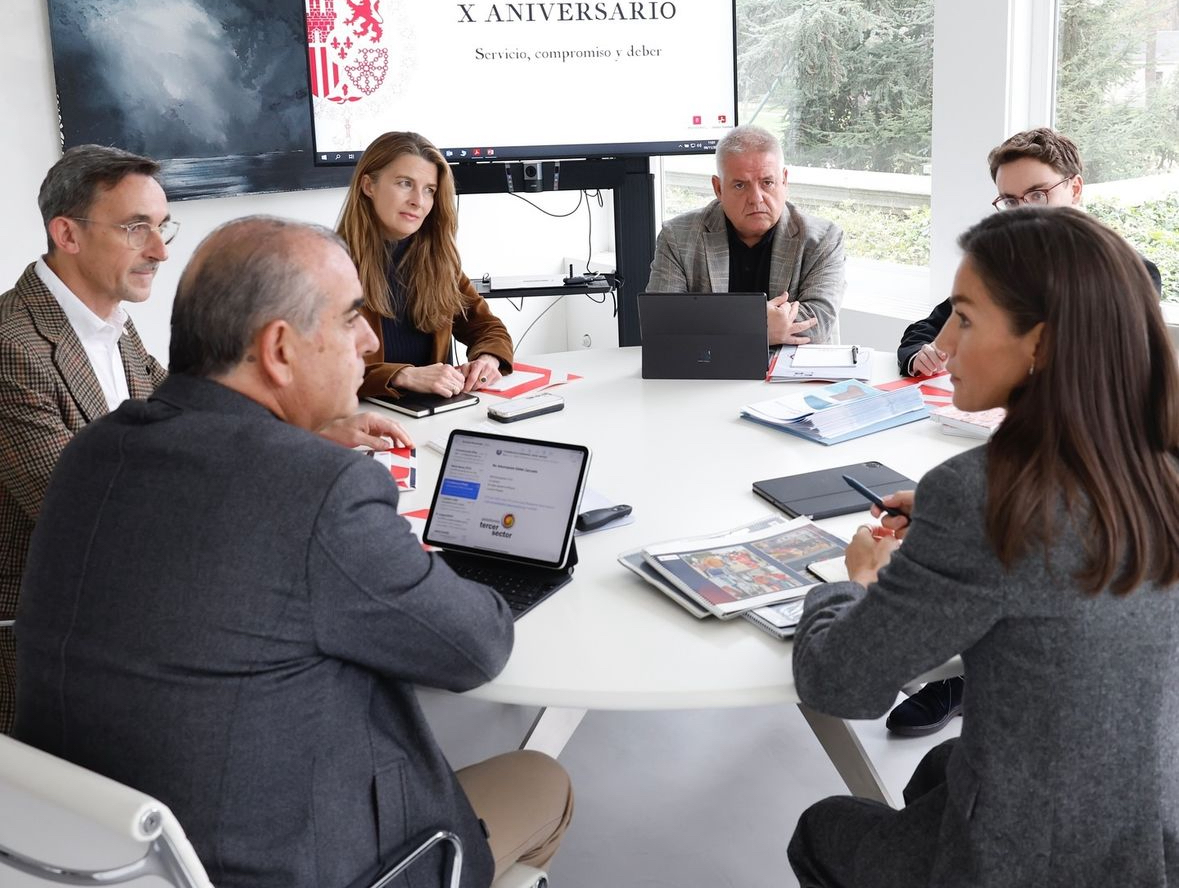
<point>872,496</point>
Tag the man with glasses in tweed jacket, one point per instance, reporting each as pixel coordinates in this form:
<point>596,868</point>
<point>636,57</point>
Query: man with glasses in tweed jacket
<point>68,351</point>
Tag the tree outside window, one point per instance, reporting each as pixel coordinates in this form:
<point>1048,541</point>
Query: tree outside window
<point>848,86</point>
<point>1117,96</point>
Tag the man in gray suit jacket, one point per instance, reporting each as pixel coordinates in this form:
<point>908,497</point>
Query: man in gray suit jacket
<point>752,240</point>
<point>69,353</point>
<point>226,611</point>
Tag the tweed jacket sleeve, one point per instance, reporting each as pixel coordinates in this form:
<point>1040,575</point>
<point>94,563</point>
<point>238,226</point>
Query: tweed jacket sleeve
<point>808,263</point>
<point>48,390</point>
<point>940,593</point>
<point>144,373</point>
<point>33,430</point>
<point>692,256</point>
<point>668,271</point>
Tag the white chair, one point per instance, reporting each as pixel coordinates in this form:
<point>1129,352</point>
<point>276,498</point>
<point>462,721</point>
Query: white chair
<point>63,825</point>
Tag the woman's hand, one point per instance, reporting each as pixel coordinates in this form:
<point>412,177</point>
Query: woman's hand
<point>369,430</point>
<point>437,379</point>
<point>869,550</point>
<point>902,501</point>
<point>482,371</point>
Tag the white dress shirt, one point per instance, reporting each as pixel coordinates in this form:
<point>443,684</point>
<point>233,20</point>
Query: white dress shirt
<point>100,338</point>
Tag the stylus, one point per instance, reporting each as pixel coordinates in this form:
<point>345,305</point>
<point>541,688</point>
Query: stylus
<point>872,496</point>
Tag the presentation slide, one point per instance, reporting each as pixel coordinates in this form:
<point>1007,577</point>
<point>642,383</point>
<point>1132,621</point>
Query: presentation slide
<point>499,80</point>
<point>509,498</point>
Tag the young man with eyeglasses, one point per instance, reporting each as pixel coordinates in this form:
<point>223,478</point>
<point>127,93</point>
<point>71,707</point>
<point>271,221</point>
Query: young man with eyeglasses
<point>1038,168</point>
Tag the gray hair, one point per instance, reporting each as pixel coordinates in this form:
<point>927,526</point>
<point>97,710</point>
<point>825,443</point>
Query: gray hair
<point>245,274</point>
<point>72,184</point>
<point>746,139</point>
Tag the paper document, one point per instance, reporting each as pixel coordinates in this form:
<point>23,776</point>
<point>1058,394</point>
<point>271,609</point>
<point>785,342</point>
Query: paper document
<point>526,378</point>
<point>402,463</point>
<point>438,445</point>
<point>835,362</point>
<point>825,356</point>
<point>831,570</point>
<point>593,499</point>
<point>417,523</point>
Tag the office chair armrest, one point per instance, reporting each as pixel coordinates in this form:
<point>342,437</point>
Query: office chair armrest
<point>118,808</point>
<point>383,874</point>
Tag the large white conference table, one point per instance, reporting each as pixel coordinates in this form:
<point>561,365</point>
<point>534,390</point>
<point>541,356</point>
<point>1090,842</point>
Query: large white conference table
<point>680,455</point>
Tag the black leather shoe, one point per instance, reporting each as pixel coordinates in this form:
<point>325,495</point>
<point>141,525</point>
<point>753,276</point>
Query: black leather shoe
<point>929,710</point>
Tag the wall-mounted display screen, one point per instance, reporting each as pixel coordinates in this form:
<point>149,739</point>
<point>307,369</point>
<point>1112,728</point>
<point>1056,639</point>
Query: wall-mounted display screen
<point>492,80</point>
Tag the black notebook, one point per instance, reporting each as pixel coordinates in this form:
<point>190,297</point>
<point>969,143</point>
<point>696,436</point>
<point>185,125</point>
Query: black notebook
<point>422,404</point>
<point>824,493</point>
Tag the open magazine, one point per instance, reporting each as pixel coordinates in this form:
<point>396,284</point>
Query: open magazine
<point>779,620</point>
<point>752,566</point>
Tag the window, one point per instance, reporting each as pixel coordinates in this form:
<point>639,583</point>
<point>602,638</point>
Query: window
<point>1117,96</point>
<point>856,136</point>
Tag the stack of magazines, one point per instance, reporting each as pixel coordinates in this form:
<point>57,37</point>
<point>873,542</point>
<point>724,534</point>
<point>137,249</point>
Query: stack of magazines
<point>839,412</point>
<point>981,424</point>
<point>760,571</point>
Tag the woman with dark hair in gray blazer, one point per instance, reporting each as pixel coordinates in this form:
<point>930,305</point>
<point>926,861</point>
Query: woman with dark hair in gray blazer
<point>1049,558</point>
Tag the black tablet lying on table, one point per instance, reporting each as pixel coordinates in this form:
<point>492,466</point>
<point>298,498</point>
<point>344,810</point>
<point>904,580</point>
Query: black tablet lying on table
<point>824,494</point>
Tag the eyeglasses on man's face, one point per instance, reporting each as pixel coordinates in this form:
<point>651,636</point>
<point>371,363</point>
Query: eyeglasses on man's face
<point>1037,197</point>
<point>138,232</point>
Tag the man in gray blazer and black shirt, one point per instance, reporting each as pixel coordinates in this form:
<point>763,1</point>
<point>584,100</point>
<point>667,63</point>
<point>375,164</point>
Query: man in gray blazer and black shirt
<point>752,240</point>
<point>225,610</point>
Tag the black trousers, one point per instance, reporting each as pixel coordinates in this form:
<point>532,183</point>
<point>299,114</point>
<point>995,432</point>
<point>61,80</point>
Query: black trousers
<point>844,841</point>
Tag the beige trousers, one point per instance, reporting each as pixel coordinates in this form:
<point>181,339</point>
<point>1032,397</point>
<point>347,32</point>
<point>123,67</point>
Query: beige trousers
<point>526,800</point>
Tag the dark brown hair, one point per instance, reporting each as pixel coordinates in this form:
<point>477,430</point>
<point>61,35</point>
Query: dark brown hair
<point>1042,144</point>
<point>1095,428</point>
<point>83,172</point>
<point>430,269</point>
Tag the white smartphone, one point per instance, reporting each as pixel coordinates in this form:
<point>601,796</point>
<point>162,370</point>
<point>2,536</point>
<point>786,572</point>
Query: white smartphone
<point>523,408</point>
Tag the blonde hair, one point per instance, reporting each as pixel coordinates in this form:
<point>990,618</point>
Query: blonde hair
<point>430,269</point>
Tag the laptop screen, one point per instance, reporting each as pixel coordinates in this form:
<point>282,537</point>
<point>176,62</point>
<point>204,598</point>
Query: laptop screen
<point>508,497</point>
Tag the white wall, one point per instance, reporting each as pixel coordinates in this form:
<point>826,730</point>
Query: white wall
<point>497,233</point>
